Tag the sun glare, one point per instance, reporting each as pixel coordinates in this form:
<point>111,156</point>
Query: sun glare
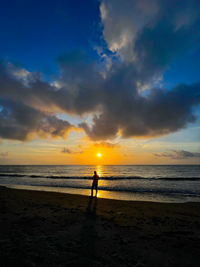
<point>98,155</point>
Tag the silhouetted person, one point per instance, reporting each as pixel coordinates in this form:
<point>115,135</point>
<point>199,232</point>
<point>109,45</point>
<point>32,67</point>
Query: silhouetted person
<point>95,183</point>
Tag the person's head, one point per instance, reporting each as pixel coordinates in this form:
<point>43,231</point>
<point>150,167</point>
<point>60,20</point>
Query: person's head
<point>95,172</point>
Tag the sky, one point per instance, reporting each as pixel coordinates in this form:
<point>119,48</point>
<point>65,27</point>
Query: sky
<point>114,77</point>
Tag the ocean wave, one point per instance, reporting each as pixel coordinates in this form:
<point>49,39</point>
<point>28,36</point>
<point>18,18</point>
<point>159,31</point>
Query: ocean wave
<point>106,178</point>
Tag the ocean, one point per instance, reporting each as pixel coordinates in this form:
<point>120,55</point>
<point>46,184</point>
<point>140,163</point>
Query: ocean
<point>158,183</point>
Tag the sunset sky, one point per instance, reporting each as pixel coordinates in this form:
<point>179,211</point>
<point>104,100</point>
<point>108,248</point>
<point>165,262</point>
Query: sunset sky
<point>119,78</point>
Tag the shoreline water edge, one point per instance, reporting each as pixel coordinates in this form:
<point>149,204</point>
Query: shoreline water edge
<point>115,195</point>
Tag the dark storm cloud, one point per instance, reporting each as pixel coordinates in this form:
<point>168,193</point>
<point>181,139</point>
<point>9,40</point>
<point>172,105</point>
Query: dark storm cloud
<point>26,109</point>
<point>178,154</point>
<point>18,121</point>
<point>78,91</point>
<point>145,39</point>
<point>160,113</point>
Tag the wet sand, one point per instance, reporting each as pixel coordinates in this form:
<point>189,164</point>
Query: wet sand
<point>52,229</point>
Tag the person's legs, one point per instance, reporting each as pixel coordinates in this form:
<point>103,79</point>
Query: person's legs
<point>96,189</point>
<point>92,189</point>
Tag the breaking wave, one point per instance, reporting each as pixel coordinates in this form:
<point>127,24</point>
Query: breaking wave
<point>106,178</point>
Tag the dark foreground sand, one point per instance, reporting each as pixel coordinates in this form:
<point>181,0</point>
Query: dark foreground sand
<point>51,229</point>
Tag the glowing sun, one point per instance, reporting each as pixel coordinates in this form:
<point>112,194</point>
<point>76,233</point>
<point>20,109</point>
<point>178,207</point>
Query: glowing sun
<point>98,155</point>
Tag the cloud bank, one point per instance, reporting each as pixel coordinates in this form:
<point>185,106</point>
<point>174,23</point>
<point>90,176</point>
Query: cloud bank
<point>21,114</point>
<point>178,154</point>
<point>143,37</point>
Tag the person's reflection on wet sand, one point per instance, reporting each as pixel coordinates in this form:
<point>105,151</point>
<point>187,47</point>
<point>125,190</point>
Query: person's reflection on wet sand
<point>88,235</point>
<point>92,209</point>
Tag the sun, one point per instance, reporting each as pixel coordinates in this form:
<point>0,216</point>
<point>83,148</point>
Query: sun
<point>98,155</point>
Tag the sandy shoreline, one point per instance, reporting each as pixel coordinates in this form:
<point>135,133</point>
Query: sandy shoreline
<point>52,229</point>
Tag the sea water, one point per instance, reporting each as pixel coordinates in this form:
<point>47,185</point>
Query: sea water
<point>162,183</point>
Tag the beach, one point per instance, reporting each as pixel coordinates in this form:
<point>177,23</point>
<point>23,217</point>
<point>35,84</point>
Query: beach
<point>53,229</point>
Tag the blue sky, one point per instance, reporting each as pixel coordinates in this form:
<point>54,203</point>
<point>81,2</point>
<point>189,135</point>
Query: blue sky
<point>104,70</point>
<point>35,33</point>
<point>184,69</point>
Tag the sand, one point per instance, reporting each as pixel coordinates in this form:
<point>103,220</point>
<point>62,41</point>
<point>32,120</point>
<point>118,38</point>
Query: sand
<point>52,229</point>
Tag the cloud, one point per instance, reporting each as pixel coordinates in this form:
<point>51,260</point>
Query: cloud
<point>178,154</point>
<point>139,29</point>
<point>122,20</point>
<point>147,39</point>
<point>69,151</point>
<point>115,101</point>
<point>149,35</point>
<point>160,113</point>
<point>4,154</point>
<point>66,150</point>
<point>19,121</point>
<point>143,39</point>
<point>106,144</point>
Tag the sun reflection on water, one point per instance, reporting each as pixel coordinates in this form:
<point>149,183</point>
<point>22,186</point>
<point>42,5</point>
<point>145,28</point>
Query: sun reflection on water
<point>99,170</point>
